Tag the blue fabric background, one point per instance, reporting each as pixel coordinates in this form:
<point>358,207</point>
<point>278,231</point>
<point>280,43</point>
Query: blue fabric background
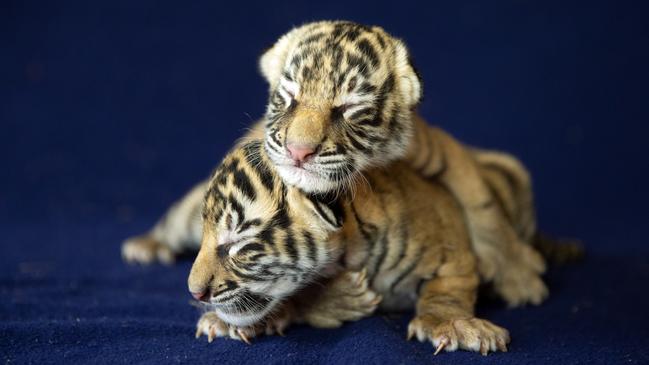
<point>111,110</point>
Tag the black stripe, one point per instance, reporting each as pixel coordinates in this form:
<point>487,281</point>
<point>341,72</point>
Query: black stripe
<point>393,124</point>
<point>222,250</point>
<point>255,161</point>
<point>242,181</point>
<point>236,205</point>
<point>325,203</point>
<point>243,275</point>
<point>379,37</point>
<point>402,244</point>
<point>323,214</point>
<point>382,254</point>
<point>230,285</point>
<point>287,76</point>
<point>364,112</point>
<point>310,244</point>
<point>256,257</point>
<point>289,243</point>
<point>296,61</point>
<point>228,221</point>
<point>272,147</point>
<point>267,236</point>
<point>355,143</point>
<point>351,85</point>
<point>366,88</point>
<point>247,224</point>
<point>251,247</point>
<point>358,63</point>
<point>307,73</point>
<point>408,270</point>
<point>386,89</point>
<point>368,50</point>
<point>368,231</point>
<point>352,34</point>
<point>311,39</point>
<point>281,219</point>
<point>372,122</point>
<point>338,30</point>
<point>265,175</point>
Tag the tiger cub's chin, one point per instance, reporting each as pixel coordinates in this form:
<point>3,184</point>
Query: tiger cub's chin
<point>240,318</point>
<point>306,180</point>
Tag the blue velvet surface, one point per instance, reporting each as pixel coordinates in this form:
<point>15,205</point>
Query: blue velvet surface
<point>109,111</point>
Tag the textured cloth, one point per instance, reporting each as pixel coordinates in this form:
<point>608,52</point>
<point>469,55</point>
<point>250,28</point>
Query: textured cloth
<point>109,111</point>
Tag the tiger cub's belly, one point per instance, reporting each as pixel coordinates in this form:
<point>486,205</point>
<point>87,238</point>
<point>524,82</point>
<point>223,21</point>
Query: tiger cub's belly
<point>399,293</point>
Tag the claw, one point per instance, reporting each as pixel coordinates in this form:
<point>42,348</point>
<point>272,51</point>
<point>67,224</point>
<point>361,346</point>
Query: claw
<point>243,336</point>
<point>361,277</point>
<point>377,300</point>
<point>280,331</point>
<point>501,345</point>
<point>411,332</point>
<point>441,345</point>
<point>211,334</point>
<point>199,332</point>
<point>484,349</point>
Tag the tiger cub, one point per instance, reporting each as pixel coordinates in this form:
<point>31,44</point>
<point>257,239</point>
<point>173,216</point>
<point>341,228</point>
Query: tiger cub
<point>342,100</point>
<point>263,240</point>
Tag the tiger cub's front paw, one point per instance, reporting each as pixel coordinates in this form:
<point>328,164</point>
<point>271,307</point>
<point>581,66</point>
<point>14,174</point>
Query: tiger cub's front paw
<point>473,334</point>
<point>347,297</point>
<point>146,250</point>
<point>279,319</point>
<point>212,326</point>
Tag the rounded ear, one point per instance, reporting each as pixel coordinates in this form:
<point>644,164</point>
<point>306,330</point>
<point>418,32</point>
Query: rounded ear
<point>272,61</point>
<point>409,81</point>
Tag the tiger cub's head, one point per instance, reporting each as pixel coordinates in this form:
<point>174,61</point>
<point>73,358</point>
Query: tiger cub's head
<point>341,99</point>
<point>262,240</point>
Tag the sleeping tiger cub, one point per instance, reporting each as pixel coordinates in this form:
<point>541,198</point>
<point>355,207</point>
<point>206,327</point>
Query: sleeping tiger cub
<point>263,240</point>
<point>342,100</point>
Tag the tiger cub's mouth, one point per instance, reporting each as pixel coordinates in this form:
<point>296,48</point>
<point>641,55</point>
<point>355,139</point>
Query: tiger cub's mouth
<point>306,178</point>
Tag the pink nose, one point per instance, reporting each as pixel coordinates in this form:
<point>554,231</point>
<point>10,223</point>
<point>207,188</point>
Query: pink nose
<point>201,296</point>
<point>300,153</point>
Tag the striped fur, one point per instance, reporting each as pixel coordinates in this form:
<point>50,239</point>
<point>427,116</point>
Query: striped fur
<point>263,240</point>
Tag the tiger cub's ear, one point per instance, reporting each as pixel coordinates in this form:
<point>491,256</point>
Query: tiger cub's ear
<point>272,61</point>
<point>409,81</point>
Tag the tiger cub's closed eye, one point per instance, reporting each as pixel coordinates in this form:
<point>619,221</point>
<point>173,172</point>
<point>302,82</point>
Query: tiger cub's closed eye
<point>337,112</point>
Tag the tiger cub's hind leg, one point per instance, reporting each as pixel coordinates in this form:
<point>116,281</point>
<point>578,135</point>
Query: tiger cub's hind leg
<point>178,231</point>
<point>517,278</point>
<point>505,258</point>
<point>146,250</point>
<point>445,312</point>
